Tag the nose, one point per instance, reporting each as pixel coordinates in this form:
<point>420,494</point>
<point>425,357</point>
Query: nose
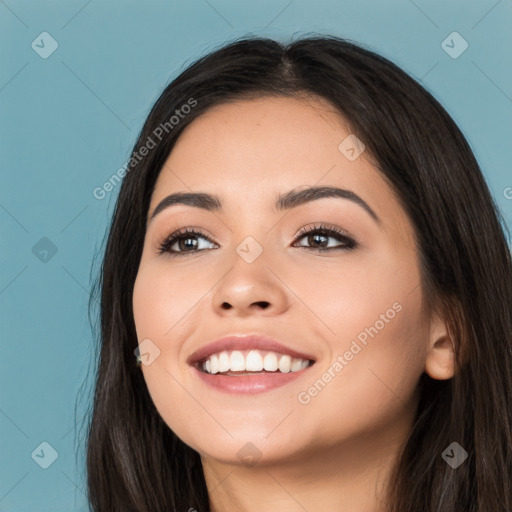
<point>250,288</point>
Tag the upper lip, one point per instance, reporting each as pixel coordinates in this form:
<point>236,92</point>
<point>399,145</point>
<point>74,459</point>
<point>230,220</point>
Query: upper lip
<point>245,342</point>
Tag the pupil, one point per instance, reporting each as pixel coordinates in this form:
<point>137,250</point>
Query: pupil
<point>316,237</point>
<point>188,245</point>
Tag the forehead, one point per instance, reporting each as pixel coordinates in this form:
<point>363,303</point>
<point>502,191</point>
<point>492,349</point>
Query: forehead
<point>250,151</point>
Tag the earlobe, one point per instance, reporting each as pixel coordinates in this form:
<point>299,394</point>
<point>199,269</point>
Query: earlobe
<point>440,359</point>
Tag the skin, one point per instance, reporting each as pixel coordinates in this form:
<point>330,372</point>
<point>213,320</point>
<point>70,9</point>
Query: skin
<point>338,448</point>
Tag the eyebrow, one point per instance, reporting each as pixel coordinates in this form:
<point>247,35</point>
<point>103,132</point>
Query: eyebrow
<point>291,199</point>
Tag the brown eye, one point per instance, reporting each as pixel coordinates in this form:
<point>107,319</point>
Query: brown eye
<point>318,238</point>
<point>184,241</point>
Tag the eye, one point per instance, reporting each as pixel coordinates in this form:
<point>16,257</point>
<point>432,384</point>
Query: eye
<point>185,240</point>
<point>319,236</point>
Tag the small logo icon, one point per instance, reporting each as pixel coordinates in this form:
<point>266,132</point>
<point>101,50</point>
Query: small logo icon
<point>249,454</point>
<point>249,249</point>
<point>351,147</point>
<point>45,455</point>
<point>44,45</point>
<point>454,455</point>
<point>454,45</point>
<point>44,250</point>
<point>147,351</point>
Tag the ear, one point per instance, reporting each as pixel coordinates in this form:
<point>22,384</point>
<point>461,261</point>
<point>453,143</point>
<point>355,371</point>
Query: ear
<point>439,362</point>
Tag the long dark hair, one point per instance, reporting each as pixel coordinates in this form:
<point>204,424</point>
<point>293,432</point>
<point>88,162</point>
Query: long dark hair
<point>136,463</point>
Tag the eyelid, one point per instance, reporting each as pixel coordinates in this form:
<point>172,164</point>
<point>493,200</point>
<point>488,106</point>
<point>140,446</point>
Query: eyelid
<point>323,226</point>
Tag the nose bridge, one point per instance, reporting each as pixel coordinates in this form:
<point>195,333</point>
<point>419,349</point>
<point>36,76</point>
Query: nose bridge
<point>249,282</point>
<point>250,231</point>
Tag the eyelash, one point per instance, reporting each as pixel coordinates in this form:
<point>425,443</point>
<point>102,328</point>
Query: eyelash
<point>350,243</point>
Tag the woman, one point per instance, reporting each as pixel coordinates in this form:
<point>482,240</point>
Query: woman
<point>340,336</point>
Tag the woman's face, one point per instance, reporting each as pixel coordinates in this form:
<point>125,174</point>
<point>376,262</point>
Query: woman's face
<point>355,309</point>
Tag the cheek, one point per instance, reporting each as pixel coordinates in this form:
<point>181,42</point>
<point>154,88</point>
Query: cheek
<point>372,376</point>
<point>347,293</point>
<point>162,299</point>
<point>376,342</point>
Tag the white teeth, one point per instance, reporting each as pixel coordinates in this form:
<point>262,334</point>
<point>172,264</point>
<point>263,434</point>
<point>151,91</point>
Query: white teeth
<point>285,364</point>
<point>223,362</point>
<point>237,361</point>
<point>296,365</point>
<point>253,361</point>
<point>214,361</point>
<point>270,362</point>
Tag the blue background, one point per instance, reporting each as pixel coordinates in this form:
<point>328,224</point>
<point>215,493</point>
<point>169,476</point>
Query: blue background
<point>68,122</point>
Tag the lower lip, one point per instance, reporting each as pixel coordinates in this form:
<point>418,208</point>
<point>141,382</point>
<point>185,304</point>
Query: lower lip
<point>249,384</point>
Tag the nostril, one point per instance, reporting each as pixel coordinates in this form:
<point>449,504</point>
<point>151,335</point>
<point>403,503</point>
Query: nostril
<point>263,304</point>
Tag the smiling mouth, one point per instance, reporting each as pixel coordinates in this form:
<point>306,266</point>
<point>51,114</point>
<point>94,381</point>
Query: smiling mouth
<point>237,363</point>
